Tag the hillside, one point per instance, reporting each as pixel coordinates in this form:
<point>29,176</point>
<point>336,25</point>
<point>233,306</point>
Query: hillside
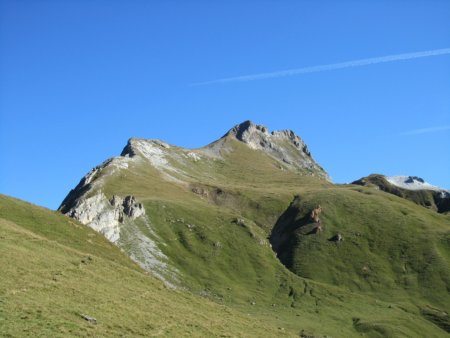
<point>371,243</point>
<point>56,270</point>
<point>228,227</point>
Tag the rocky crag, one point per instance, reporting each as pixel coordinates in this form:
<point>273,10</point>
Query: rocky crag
<point>284,146</point>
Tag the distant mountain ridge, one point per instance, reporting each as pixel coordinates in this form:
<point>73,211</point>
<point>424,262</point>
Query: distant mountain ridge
<point>412,188</point>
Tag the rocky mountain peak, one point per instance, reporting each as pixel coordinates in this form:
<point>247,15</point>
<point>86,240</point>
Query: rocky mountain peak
<point>283,145</point>
<point>246,130</point>
<point>258,136</point>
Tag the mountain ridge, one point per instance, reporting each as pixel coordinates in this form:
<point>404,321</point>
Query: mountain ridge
<point>284,146</point>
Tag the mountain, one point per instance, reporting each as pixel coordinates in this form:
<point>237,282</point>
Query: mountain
<point>412,188</point>
<point>228,173</point>
<point>252,226</point>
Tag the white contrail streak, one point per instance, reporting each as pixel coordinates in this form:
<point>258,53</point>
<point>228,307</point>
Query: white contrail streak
<point>425,130</point>
<point>323,68</point>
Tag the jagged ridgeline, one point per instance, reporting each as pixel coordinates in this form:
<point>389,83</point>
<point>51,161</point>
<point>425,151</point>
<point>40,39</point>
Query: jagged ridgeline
<point>253,223</point>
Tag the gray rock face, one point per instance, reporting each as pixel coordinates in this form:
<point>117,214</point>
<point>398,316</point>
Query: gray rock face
<point>106,216</point>
<point>412,179</point>
<point>96,212</point>
<point>127,206</point>
<point>284,146</point>
<point>88,204</point>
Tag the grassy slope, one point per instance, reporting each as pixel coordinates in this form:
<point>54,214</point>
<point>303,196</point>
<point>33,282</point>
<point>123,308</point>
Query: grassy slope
<point>48,281</point>
<point>54,270</point>
<point>391,248</point>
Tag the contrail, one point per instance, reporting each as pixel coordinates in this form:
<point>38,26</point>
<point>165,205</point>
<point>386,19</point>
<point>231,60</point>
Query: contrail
<point>425,130</point>
<point>323,68</point>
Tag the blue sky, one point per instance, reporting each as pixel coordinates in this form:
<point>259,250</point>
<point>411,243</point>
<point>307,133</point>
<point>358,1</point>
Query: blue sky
<point>78,78</point>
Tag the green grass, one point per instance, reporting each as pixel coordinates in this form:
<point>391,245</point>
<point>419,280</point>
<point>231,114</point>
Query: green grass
<point>48,281</point>
<point>391,249</point>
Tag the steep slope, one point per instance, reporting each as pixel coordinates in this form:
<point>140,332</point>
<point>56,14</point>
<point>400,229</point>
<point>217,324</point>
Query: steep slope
<point>412,188</point>
<point>200,220</point>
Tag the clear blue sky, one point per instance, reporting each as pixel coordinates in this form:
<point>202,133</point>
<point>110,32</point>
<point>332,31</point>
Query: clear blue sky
<point>78,78</point>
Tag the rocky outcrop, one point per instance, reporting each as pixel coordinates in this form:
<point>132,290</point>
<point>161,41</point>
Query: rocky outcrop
<point>105,216</point>
<point>284,146</point>
<point>88,204</point>
<point>127,207</point>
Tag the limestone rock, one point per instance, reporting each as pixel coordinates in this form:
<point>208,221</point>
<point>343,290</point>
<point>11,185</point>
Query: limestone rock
<point>105,216</point>
<point>132,208</point>
<point>95,212</point>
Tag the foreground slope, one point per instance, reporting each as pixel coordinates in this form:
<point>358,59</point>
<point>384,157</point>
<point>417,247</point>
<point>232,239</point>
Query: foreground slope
<point>55,271</point>
<point>203,219</point>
